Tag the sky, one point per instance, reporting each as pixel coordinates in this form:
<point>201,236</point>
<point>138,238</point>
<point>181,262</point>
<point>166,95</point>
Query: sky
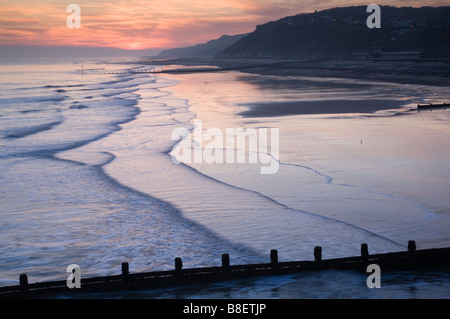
<point>151,24</point>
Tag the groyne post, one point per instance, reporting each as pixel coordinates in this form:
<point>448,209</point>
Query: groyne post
<point>178,264</point>
<point>274,256</point>
<point>274,259</point>
<point>225,261</point>
<point>125,270</point>
<point>23,282</point>
<point>412,256</point>
<point>317,253</point>
<point>364,251</point>
<point>411,246</point>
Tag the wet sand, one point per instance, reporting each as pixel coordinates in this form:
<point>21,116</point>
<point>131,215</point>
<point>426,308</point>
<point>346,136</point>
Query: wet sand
<point>422,73</point>
<point>365,170</point>
<point>319,107</point>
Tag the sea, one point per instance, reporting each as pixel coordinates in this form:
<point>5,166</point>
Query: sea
<point>89,176</point>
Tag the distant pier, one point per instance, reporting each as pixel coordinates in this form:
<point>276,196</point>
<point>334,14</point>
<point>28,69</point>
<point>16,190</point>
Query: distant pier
<point>412,259</point>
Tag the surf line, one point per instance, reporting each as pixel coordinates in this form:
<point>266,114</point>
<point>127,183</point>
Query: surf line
<point>330,180</point>
<point>190,147</point>
<point>281,204</point>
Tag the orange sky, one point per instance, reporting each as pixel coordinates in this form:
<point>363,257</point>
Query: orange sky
<point>142,24</point>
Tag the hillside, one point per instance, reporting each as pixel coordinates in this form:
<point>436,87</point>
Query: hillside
<point>204,50</point>
<point>342,32</point>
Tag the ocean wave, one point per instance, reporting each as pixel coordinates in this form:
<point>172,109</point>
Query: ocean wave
<point>33,99</point>
<point>30,130</point>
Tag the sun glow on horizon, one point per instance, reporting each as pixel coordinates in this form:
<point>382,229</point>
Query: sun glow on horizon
<point>142,24</point>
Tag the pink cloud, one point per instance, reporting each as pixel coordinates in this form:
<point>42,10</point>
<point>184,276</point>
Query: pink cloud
<point>150,23</point>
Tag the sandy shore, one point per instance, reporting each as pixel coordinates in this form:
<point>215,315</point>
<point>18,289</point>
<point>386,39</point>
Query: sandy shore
<point>366,171</point>
<point>311,75</point>
<point>427,73</point>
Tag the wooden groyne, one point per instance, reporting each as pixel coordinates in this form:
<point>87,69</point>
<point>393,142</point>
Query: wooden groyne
<point>412,259</point>
<point>431,106</point>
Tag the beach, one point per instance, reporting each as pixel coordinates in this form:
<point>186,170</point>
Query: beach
<point>330,153</point>
<point>90,177</point>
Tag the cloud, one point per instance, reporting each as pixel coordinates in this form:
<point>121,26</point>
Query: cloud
<point>150,23</point>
